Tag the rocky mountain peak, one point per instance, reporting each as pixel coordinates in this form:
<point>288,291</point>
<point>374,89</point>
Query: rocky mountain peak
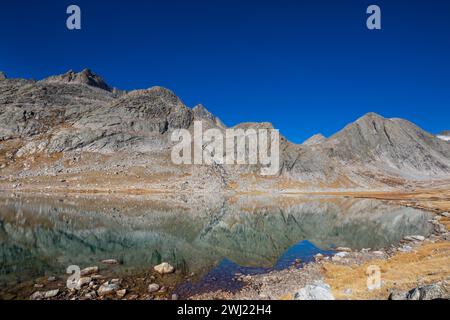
<point>86,77</point>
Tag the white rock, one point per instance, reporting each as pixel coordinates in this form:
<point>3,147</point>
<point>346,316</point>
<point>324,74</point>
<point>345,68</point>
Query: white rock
<point>83,281</point>
<point>336,258</point>
<point>343,249</point>
<point>51,293</point>
<point>89,270</point>
<point>341,254</point>
<point>418,238</point>
<point>164,268</point>
<point>110,261</point>
<point>379,253</point>
<point>445,214</point>
<point>153,287</point>
<point>318,291</point>
<point>38,295</point>
<point>106,289</point>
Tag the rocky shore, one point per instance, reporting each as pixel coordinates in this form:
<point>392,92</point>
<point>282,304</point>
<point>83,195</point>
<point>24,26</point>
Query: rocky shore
<point>416,268</point>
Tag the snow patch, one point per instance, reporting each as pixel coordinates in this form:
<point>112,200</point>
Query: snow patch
<point>445,138</point>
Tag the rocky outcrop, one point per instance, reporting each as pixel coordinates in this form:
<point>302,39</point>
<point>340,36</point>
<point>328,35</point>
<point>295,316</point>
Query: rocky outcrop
<point>86,77</point>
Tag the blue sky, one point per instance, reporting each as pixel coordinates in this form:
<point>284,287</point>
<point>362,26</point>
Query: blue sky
<point>306,66</point>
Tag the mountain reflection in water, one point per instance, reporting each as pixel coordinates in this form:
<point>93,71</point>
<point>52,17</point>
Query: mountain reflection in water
<point>42,236</point>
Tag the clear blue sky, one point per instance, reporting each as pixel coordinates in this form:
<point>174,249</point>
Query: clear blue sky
<point>306,66</point>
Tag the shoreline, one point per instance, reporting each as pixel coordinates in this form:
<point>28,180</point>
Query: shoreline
<point>343,275</point>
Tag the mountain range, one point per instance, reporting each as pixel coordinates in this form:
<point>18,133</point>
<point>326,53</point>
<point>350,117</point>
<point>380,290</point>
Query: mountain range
<point>78,127</point>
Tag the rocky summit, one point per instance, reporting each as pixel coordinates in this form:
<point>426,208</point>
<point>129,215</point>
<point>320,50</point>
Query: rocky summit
<point>75,123</point>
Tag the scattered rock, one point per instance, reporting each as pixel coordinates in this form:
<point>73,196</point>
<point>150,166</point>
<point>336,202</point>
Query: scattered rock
<point>379,253</point>
<point>164,268</point>
<point>38,285</point>
<point>88,271</point>
<point>107,288</point>
<point>110,261</point>
<point>153,287</point>
<point>51,279</point>
<point>38,295</point>
<point>318,257</point>
<point>336,258</point>
<point>91,295</point>
<point>429,292</point>
<point>348,292</point>
<point>51,294</point>
<point>345,249</point>
<point>83,281</point>
<point>418,238</point>
<point>397,295</point>
<point>318,291</point>
<point>445,214</point>
<point>174,296</point>
<point>341,254</point>
<point>405,249</point>
<point>121,293</point>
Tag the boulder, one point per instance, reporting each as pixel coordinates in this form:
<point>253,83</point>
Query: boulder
<point>430,292</point>
<point>164,268</point>
<point>317,291</point>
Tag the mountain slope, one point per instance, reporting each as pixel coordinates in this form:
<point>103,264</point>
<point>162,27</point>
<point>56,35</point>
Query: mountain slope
<point>77,113</point>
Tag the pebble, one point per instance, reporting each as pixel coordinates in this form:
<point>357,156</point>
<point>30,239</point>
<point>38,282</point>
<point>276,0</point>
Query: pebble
<point>110,261</point>
<point>341,254</point>
<point>38,295</point>
<point>121,293</point>
<point>106,289</point>
<point>318,257</point>
<point>153,287</point>
<point>336,258</point>
<point>346,249</point>
<point>51,293</point>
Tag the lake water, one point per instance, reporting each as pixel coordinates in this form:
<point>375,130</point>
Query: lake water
<point>41,236</point>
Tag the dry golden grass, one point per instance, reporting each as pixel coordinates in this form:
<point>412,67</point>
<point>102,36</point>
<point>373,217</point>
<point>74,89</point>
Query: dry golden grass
<point>430,263</point>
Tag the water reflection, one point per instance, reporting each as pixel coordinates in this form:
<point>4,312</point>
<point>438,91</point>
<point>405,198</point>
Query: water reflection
<point>42,236</point>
